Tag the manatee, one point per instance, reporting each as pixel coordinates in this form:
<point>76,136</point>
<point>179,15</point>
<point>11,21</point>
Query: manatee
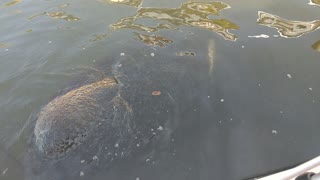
<point>110,117</point>
<point>66,121</point>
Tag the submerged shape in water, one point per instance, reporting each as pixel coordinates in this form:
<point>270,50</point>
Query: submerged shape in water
<point>134,3</point>
<point>286,28</point>
<point>194,14</point>
<point>316,46</point>
<point>153,40</point>
<point>12,3</point>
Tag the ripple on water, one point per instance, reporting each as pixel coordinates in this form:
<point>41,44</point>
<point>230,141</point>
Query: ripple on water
<point>57,15</point>
<point>134,3</point>
<point>12,3</point>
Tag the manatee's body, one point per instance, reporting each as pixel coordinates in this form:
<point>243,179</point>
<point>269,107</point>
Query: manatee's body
<point>66,121</point>
<point>100,122</point>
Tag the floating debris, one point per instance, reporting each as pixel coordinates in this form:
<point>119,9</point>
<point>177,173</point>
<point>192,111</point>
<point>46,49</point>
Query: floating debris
<point>81,173</point>
<point>82,161</point>
<point>194,14</point>
<point>274,132</point>
<point>116,145</point>
<point>242,46</point>
<point>4,172</point>
<point>94,158</point>
<point>153,40</point>
<point>147,160</point>
<point>122,54</point>
<point>137,178</point>
<point>221,100</point>
<point>152,54</point>
<point>49,42</point>
<point>134,3</point>
<point>289,76</point>
<point>156,93</point>
<point>260,36</point>
<point>160,128</point>
<point>185,53</point>
<point>316,46</point>
<point>12,3</point>
<point>29,30</point>
<point>138,145</point>
<point>310,89</point>
<point>286,28</point>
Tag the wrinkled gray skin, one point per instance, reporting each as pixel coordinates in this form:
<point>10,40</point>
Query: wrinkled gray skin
<point>103,125</point>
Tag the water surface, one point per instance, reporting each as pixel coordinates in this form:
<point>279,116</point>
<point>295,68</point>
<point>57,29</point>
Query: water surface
<point>248,79</point>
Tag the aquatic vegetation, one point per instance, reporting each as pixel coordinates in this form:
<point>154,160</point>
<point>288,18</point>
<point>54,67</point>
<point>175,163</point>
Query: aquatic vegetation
<point>316,46</point>
<point>12,3</point>
<point>287,28</point>
<point>134,3</point>
<point>194,14</point>
<point>153,40</point>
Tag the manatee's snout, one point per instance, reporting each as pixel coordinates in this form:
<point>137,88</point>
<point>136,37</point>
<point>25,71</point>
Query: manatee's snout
<point>67,121</point>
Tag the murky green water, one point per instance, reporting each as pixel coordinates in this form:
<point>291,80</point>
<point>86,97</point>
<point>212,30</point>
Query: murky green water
<point>243,74</point>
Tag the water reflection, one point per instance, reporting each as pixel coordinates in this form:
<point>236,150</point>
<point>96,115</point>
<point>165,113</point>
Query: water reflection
<point>194,14</point>
<point>134,3</point>
<point>57,15</point>
<point>3,45</point>
<point>98,37</point>
<point>315,2</point>
<point>286,28</point>
<point>316,46</point>
<point>153,40</point>
<point>12,3</point>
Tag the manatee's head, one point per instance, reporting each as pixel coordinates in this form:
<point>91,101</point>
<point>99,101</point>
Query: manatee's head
<point>67,121</point>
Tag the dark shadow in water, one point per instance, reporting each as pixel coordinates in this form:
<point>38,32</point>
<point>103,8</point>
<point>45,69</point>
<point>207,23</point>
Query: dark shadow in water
<point>287,28</point>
